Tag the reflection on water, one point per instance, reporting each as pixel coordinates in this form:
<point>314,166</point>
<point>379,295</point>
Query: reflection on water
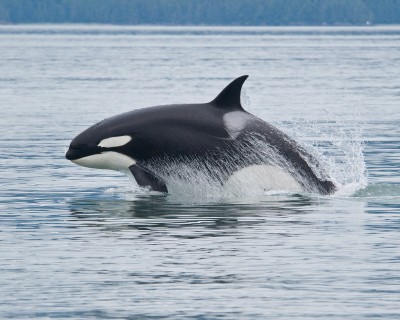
<point>155,212</point>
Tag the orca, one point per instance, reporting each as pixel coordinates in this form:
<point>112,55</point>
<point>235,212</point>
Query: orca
<point>219,137</point>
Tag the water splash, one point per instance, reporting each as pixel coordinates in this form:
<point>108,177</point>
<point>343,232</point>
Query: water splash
<point>338,145</point>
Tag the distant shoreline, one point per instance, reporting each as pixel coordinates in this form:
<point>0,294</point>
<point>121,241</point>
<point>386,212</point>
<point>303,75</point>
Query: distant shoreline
<point>203,13</point>
<point>196,25</point>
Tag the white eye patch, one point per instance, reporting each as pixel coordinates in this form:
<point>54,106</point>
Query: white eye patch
<point>114,142</point>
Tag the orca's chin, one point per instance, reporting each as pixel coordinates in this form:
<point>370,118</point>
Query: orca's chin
<point>109,160</point>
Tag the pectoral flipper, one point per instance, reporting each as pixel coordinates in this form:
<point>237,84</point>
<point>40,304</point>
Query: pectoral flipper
<point>146,178</point>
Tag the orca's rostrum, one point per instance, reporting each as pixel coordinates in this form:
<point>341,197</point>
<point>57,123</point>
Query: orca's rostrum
<point>220,137</point>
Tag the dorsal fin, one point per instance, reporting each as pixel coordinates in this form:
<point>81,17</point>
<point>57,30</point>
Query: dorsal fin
<point>229,98</point>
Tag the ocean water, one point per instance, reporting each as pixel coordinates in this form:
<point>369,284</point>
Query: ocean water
<point>82,243</point>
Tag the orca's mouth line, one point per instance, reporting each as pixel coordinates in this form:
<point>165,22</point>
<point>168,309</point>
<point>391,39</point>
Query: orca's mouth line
<point>80,151</point>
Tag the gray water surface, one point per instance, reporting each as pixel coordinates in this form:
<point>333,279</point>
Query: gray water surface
<point>82,243</point>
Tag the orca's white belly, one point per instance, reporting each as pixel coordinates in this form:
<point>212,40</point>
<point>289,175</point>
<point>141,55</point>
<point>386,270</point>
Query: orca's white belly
<point>262,178</point>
